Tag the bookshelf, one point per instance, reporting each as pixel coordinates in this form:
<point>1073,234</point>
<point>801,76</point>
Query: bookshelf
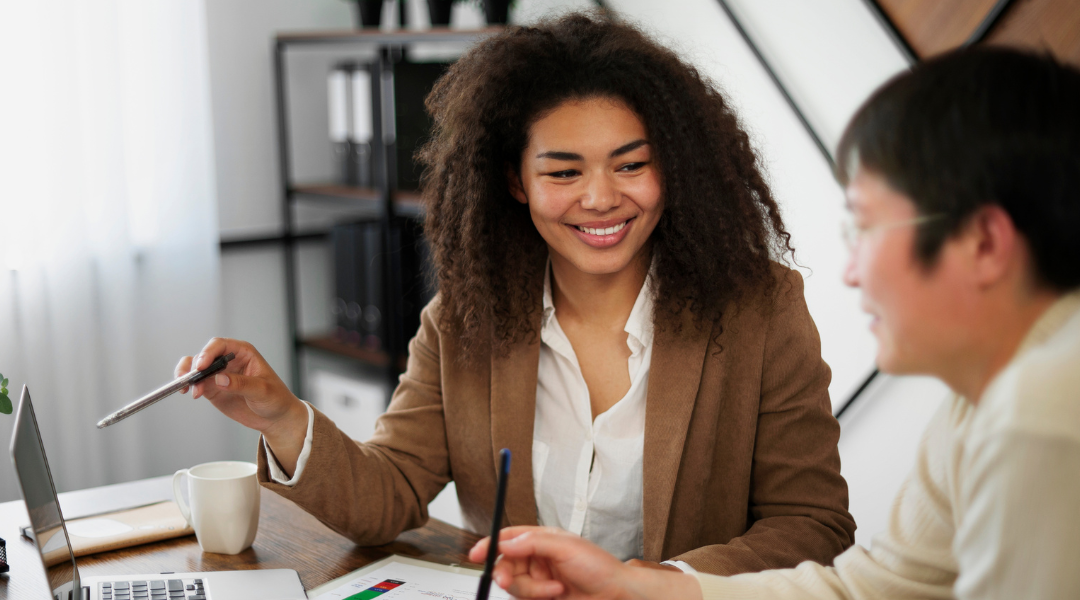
<point>382,201</point>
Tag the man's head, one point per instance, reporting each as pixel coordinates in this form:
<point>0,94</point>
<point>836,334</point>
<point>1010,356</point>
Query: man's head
<point>963,176</point>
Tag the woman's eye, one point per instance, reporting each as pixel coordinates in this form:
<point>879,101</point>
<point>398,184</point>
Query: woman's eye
<point>632,166</point>
<point>563,174</point>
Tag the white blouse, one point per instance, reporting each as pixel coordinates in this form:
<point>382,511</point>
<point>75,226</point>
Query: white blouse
<point>587,474</point>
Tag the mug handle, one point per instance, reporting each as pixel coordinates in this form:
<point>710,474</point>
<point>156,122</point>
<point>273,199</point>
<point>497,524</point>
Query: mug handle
<point>184,510</point>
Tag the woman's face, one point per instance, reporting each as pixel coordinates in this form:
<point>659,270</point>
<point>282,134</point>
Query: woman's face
<point>591,184</point>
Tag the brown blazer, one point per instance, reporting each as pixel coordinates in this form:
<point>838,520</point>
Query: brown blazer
<point>741,469</point>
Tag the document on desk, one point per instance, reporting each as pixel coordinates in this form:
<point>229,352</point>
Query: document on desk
<point>401,578</point>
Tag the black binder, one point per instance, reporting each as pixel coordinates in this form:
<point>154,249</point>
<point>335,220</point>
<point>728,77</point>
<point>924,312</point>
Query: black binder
<point>360,285</point>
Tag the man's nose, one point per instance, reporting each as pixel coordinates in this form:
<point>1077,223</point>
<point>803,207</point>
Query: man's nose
<point>851,272</point>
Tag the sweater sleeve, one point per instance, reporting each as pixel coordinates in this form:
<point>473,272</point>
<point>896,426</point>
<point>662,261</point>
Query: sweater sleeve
<point>798,499</point>
<point>808,581</point>
<point>1020,501</point>
<point>911,559</point>
<point>371,492</point>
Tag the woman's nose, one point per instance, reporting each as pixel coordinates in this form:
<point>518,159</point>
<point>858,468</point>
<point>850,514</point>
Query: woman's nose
<point>600,194</point>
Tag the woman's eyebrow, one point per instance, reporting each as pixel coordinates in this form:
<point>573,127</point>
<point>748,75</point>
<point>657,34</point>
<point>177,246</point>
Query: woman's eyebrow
<point>634,145</point>
<point>557,155</point>
<point>560,155</point>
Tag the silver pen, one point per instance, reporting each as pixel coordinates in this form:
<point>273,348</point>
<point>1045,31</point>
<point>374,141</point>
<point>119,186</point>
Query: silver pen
<point>166,390</point>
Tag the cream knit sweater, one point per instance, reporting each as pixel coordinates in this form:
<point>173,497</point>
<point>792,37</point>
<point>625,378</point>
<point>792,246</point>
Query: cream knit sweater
<point>992,507</point>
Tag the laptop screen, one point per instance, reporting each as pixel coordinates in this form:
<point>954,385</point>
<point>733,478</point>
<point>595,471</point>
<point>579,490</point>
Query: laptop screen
<point>28,454</point>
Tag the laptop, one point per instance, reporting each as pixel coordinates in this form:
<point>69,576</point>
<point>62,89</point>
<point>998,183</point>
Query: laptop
<point>58,559</point>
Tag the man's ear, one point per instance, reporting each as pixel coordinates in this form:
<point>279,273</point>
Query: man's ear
<point>513,181</point>
<point>996,246</point>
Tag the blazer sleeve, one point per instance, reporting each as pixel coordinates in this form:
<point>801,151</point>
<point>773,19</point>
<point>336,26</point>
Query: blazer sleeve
<point>798,504</point>
<point>371,492</point>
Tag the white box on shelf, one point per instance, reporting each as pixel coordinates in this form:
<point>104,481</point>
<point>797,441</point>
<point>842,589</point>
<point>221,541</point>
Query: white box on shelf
<point>353,404</point>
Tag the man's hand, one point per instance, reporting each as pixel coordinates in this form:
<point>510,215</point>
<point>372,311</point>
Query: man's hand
<point>545,562</point>
<point>648,564</point>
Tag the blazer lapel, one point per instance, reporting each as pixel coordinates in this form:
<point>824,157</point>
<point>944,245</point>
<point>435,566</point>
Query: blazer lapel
<point>674,377</point>
<point>513,410</point>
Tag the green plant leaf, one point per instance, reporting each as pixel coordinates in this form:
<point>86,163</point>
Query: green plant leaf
<point>5,404</point>
<point>4,382</point>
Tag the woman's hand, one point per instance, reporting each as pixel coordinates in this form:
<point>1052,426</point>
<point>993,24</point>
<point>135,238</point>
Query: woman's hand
<point>250,393</point>
<point>545,562</point>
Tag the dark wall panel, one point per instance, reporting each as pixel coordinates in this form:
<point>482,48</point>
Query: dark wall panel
<point>1052,25</point>
<point>934,26</point>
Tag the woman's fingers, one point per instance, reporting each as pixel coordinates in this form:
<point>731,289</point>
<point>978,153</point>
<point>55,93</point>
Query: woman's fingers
<point>246,360</point>
<point>213,349</point>
<point>247,390</point>
<point>225,383</point>
<point>183,368</point>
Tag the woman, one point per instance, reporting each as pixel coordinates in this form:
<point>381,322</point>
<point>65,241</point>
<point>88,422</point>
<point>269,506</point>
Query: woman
<point>607,309</point>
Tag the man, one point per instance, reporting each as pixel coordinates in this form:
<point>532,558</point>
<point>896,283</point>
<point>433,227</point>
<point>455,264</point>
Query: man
<point>963,182</point>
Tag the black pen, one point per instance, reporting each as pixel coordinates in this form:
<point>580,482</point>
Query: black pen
<point>496,525</point>
<point>165,391</point>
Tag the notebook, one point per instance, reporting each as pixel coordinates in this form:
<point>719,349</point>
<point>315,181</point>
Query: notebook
<point>53,541</point>
<point>117,529</point>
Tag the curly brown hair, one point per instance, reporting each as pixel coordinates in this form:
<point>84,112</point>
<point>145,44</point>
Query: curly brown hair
<point>720,227</point>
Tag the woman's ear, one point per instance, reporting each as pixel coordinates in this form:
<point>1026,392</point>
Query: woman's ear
<point>513,181</point>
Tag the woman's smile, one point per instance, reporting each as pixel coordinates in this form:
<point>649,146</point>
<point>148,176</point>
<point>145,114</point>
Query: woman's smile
<point>603,234</point>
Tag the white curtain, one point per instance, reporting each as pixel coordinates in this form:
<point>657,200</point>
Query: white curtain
<point>108,235</point>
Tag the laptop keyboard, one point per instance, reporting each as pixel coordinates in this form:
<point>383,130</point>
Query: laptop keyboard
<point>166,589</point>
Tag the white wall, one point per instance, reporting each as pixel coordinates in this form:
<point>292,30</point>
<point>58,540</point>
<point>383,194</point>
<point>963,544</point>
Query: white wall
<point>239,38</point>
<point>878,439</point>
<point>109,249</point>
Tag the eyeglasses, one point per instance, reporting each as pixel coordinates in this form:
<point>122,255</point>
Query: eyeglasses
<point>853,233</point>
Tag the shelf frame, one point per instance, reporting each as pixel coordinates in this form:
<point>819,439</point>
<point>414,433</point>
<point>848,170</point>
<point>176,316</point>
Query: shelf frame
<point>391,202</point>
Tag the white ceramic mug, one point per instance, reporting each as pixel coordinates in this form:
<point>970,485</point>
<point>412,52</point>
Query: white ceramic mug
<point>224,508</point>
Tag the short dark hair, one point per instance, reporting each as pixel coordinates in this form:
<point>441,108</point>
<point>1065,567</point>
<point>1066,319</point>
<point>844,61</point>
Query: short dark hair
<point>975,127</point>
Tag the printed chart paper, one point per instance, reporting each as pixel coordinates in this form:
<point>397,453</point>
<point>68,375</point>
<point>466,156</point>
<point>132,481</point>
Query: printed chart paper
<point>399,578</point>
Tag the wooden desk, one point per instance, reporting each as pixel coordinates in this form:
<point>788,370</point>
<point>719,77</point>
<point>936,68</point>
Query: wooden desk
<point>288,538</point>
